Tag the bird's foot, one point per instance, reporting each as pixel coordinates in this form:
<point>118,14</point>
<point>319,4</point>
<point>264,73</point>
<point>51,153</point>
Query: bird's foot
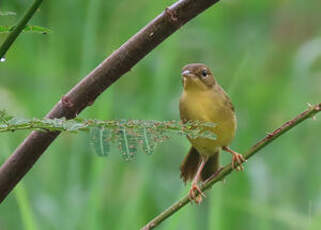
<point>236,159</point>
<point>197,198</point>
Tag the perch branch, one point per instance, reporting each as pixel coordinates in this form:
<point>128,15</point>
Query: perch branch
<point>19,27</point>
<point>87,90</point>
<point>228,168</point>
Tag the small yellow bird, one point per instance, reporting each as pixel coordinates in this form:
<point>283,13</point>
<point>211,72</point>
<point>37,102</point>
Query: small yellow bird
<point>203,99</point>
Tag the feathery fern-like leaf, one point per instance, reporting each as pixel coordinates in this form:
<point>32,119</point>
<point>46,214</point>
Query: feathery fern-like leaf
<point>130,136</point>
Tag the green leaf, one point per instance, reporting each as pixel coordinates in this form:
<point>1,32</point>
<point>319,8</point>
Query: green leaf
<point>28,28</point>
<point>18,121</point>
<point>127,143</point>
<point>149,138</point>
<point>4,117</point>
<point>99,141</point>
<point>37,29</point>
<point>72,125</point>
<point>147,143</point>
<point>5,29</point>
<point>7,13</point>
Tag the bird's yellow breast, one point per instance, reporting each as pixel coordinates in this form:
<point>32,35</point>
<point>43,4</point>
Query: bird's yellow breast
<point>210,106</point>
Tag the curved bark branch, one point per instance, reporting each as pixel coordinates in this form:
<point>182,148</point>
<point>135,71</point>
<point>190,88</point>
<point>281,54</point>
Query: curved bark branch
<point>87,90</point>
<point>228,168</point>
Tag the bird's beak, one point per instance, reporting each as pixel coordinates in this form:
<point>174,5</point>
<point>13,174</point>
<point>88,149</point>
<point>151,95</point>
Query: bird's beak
<point>186,73</point>
<point>188,78</point>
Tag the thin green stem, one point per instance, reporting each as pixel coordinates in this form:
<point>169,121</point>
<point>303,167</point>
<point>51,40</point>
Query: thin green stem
<point>228,168</point>
<point>19,27</point>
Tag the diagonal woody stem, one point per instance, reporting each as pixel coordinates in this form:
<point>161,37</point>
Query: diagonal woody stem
<point>228,168</point>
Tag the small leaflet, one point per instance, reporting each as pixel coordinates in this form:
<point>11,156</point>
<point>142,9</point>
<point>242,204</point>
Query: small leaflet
<point>99,141</point>
<point>146,140</point>
<point>127,143</point>
<point>7,13</point>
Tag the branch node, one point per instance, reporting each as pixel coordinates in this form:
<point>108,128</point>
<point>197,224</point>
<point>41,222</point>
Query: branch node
<point>171,15</point>
<point>69,108</point>
<point>66,102</point>
<point>269,134</point>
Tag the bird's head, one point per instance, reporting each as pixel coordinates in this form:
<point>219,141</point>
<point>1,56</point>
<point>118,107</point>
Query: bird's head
<point>197,76</point>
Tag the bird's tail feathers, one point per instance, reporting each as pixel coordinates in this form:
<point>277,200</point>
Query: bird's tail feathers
<point>191,163</point>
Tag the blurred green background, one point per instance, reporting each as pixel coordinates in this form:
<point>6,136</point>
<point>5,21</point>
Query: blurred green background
<point>266,54</point>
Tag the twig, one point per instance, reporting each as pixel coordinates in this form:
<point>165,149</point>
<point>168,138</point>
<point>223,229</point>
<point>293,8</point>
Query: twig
<point>19,27</point>
<point>228,168</point>
<point>74,125</point>
<point>87,90</point>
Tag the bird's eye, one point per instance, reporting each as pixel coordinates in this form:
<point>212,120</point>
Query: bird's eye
<point>204,72</point>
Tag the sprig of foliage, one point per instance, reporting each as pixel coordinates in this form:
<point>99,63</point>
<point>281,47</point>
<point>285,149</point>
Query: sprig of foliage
<point>129,136</point>
<point>18,29</point>
<point>28,28</point>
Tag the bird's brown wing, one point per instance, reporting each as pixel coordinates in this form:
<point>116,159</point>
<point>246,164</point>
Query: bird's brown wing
<point>227,99</point>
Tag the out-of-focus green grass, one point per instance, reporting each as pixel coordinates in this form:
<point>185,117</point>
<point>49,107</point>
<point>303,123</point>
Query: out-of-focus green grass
<point>266,54</point>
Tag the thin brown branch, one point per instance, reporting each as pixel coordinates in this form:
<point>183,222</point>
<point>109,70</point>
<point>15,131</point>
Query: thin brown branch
<point>228,168</point>
<point>87,90</point>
